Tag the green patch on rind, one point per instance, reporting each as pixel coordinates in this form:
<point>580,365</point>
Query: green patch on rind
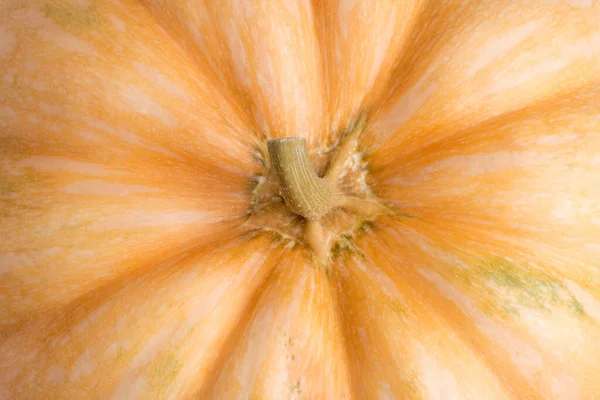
<point>164,374</point>
<point>510,288</point>
<point>72,16</point>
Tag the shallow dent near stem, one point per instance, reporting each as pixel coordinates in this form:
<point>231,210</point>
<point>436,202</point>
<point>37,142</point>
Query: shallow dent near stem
<point>322,213</point>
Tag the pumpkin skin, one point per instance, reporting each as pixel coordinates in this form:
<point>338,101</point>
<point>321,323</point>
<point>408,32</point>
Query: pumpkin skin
<point>129,136</point>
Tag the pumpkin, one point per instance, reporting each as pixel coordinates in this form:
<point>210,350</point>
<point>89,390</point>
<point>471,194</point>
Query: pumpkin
<point>292,200</point>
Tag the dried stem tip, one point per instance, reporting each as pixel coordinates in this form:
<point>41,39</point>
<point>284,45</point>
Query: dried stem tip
<point>304,192</point>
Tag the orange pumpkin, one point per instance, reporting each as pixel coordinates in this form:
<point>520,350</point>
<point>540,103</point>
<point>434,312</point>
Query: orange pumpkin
<point>435,236</point>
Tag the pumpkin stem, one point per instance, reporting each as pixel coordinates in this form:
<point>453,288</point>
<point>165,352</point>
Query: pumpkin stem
<point>305,193</point>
